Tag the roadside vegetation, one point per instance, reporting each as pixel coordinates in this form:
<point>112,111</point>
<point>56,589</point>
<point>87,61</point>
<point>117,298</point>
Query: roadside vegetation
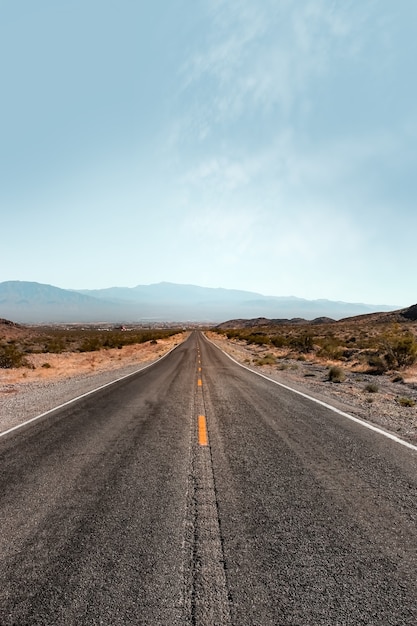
<point>373,348</point>
<point>14,352</point>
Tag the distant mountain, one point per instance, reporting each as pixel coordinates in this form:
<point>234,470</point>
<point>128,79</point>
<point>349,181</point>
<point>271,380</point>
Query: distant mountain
<point>30,302</point>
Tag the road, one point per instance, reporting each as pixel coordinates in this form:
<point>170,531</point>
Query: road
<point>198,493</point>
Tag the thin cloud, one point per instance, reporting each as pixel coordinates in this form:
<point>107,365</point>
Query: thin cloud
<point>264,55</point>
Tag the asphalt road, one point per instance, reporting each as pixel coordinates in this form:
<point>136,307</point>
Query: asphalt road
<point>198,493</point>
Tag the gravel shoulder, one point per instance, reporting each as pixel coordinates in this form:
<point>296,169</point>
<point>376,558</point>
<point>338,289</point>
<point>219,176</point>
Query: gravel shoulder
<point>381,407</point>
<point>26,393</point>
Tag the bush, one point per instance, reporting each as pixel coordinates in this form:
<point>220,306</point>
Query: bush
<point>303,343</point>
<point>402,351</point>
<point>12,356</point>
<point>377,364</point>
<point>330,349</point>
<point>336,374</point>
<point>404,401</point>
<point>268,359</point>
<point>278,341</point>
<point>371,388</point>
<point>90,344</point>
<point>258,339</point>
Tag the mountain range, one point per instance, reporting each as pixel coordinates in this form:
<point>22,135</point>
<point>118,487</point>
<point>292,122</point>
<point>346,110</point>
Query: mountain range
<point>31,302</point>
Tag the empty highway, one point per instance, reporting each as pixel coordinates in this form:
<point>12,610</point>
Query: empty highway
<point>198,493</point>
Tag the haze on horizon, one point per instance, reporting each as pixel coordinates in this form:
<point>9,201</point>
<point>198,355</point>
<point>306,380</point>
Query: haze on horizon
<point>264,145</point>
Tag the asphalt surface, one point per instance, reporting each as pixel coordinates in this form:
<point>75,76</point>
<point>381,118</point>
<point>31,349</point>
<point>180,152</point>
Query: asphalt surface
<point>113,510</point>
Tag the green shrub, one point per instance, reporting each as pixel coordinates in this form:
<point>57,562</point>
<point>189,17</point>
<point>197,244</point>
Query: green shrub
<point>371,388</point>
<point>268,359</point>
<point>336,374</point>
<point>330,349</point>
<point>377,364</point>
<point>303,343</point>
<point>54,345</point>
<point>91,344</point>
<point>402,351</point>
<point>404,401</point>
<point>258,339</point>
<point>279,341</point>
<point>12,356</point>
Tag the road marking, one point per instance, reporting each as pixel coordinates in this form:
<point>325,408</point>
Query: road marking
<point>199,369</point>
<point>84,395</point>
<point>202,431</point>
<point>199,382</point>
<point>348,416</point>
<point>209,598</point>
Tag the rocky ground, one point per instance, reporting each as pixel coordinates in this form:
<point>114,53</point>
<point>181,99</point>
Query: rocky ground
<point>377,399</point>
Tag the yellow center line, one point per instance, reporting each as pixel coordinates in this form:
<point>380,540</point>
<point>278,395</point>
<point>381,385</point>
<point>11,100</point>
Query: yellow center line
<point>199,382</point>
<point>202,431</point>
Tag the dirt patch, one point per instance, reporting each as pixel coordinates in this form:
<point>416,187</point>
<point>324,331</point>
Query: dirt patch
<point>55,367</point>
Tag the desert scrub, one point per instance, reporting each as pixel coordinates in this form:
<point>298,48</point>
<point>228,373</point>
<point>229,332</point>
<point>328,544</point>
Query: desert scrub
<point>336,374</point>
<point>258,339</point>
<point>402,351</point>
<point>371,388</point>
<point>330,349</point>
<point>377,364</point>
<point>405,401</point>
<point>268,359</point>
<point>12,356</point>
<point>279,341</point>
<point>302,343</point>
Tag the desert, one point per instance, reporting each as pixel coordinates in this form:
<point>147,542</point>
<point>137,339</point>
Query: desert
<point>345,363</point>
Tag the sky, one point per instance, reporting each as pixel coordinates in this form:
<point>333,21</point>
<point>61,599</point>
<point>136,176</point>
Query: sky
<point>264,145</point>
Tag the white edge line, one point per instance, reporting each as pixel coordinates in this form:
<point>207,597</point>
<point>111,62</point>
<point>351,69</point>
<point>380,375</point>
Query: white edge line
<point>328,406</point>
<point>83,395</point>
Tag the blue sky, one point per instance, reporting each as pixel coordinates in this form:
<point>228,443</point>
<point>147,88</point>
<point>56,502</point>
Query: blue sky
<point>267,145</point>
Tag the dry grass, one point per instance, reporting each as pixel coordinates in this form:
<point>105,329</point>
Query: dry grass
<point>53,367</point>
<point>357,344</point>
